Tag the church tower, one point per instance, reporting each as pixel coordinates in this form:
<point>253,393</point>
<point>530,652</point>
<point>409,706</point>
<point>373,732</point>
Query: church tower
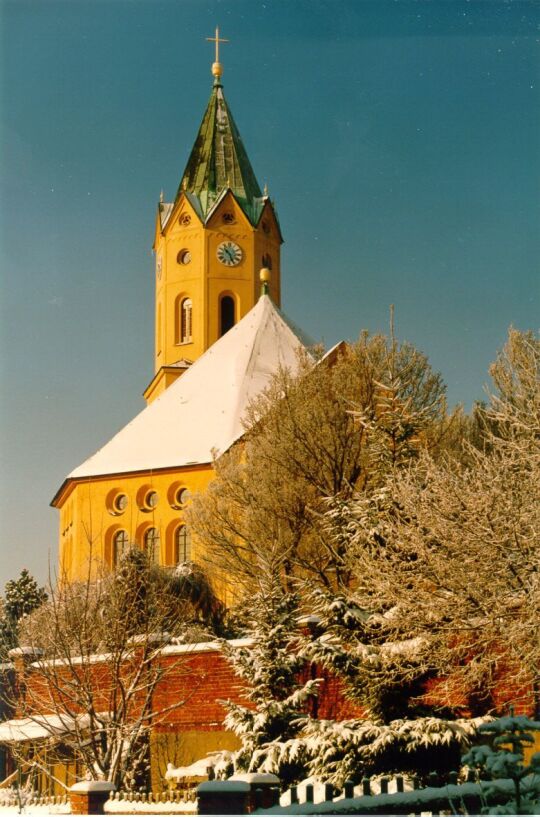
<point>219,338</point>
<point>210,244</point>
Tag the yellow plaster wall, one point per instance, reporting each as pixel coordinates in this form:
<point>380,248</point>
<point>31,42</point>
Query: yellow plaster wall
<point>183,749</point>
<point>88,520</point>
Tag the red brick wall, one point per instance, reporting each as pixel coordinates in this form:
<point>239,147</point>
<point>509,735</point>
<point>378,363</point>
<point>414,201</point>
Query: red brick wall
<point>195,682</point>
<point>201,680</point>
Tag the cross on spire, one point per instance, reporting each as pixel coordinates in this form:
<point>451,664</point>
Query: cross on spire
<point>216,68</point>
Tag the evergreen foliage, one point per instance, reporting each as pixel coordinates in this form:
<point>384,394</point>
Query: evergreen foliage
<point>337,751</point>
<point>504,758</point>
<point>384,676</point>
<point>21,597</point>
<point>274,671</point>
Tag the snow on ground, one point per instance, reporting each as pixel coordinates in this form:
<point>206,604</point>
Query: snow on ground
<point>38,811</point>
<point>125,807</point>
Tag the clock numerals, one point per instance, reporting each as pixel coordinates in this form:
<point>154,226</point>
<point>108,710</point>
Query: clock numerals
<point>229,253</point>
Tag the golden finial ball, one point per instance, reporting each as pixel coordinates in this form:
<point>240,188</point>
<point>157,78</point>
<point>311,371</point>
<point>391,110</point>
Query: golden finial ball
<point>217,69</point>
<point>265,275</point>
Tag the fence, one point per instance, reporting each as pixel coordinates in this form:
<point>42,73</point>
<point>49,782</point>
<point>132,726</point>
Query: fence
<point>167,802</point>
<point>58,804</point>
<point>260,795</point>
<point>233,797</point>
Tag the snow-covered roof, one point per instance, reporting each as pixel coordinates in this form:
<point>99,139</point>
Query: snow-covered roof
<point>202,411</point>
<point>39,727</point>
<point>200,767</point>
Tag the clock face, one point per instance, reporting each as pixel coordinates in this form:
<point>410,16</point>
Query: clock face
<point>229,253</point>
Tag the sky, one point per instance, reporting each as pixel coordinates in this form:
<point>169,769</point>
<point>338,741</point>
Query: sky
<point>399,141</point>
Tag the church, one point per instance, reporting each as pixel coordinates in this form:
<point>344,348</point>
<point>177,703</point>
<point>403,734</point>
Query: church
<point>219,337</point>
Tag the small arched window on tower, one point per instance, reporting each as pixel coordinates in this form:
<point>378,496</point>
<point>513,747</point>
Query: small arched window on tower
<point>182,544</point>
<point>152,545</point>
<point>227,314</point>
<point>120,547</point>
<point>186,322</point>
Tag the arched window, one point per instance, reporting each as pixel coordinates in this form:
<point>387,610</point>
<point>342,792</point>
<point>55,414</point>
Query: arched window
<point>186,327</point>
<point>120,546</point>
<point>152,542</point>
<point>182,544</point>
<point>227,317</point>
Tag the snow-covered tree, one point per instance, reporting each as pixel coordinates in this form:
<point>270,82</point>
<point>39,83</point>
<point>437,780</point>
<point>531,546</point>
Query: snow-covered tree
<point>333,429</point>
<point>350,750</point>
<point>21,597</point>
<point>447,551</point>
<point>275,674</point>
<point>98,667</point>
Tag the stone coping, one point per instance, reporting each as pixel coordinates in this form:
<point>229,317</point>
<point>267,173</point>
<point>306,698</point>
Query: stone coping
<point>92,785</point>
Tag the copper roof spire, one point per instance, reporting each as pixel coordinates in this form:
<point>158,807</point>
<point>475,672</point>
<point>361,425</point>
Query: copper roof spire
<point>218,159</point>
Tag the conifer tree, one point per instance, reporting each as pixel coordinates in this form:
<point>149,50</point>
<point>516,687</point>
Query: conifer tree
<point>510,737</point>
<point>21,597</point>
<point>274,671</point>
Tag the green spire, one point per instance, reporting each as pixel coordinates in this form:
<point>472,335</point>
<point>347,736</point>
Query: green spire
<point>219,161</point>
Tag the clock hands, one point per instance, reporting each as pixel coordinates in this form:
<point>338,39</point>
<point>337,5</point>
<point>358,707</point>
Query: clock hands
<point>229,253</point>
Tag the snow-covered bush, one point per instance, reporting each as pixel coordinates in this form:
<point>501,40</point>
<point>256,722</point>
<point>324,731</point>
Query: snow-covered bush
<point>504,759</point>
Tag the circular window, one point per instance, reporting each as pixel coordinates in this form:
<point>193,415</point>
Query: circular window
<point>120,503</point>
<point>151,499</point>
<point>183,257</point>
<point>182,496</point>
<point>184,219</point>
<point>228,218</point>
<point>116,502</point>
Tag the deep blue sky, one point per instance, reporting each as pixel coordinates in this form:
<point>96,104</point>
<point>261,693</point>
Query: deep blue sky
<point>400,141</point>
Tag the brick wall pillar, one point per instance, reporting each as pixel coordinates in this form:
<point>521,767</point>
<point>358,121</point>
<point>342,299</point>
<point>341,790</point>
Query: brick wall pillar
<point>90,796</point>
<point>263,789</point>
<point>223,797</point>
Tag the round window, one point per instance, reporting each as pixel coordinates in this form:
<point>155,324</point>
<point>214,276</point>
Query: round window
<point>183,257</point>
<point>182,496</point>
<point>120,503</point>
<point>151,499</point>
<point>184,219</point>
